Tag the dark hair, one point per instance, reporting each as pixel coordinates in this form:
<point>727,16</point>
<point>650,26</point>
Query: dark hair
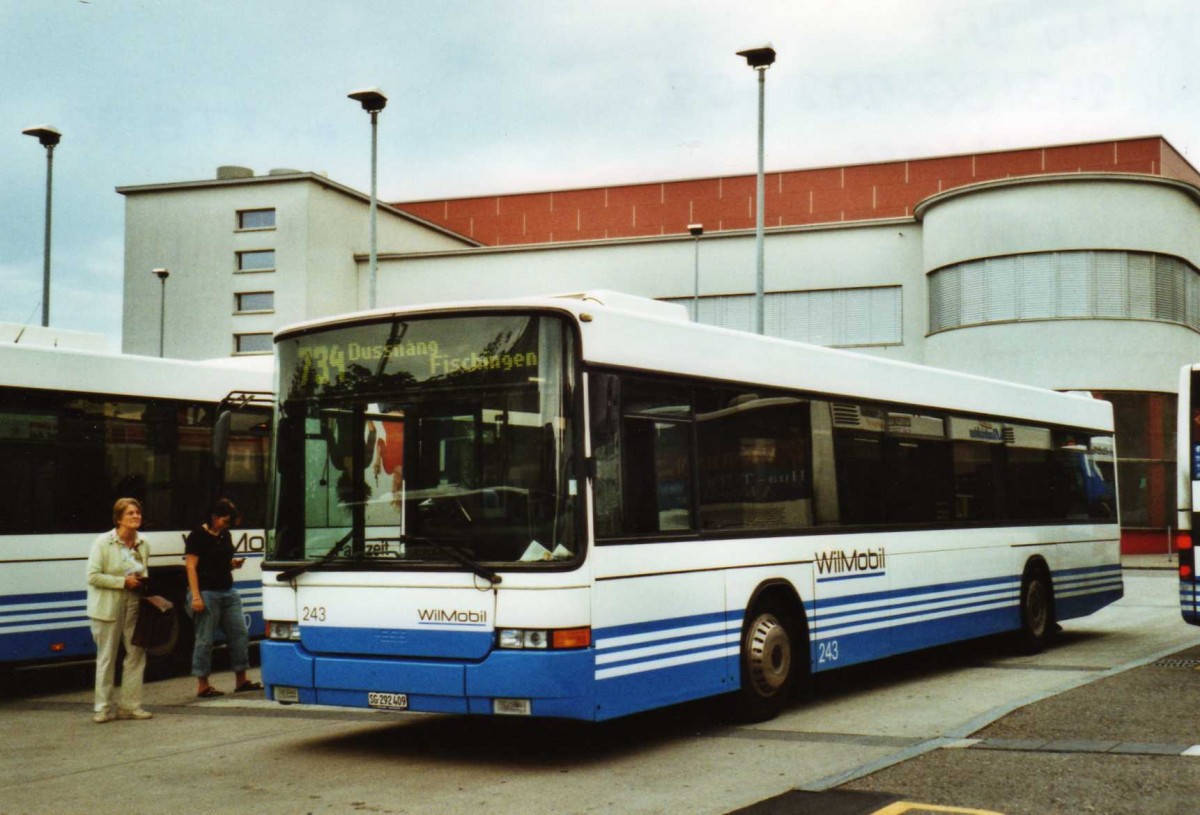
<point>224,508</point>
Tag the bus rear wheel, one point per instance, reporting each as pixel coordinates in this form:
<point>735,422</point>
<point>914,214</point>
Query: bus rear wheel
<point>768,666</point>
<point>1037,612</point>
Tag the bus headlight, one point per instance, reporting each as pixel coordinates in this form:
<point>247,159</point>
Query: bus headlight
<point>282,630</point>
<point>540,639</point>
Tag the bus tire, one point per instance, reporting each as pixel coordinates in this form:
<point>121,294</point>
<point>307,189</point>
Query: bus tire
<point>769,664</point>
<point>1037,610</point>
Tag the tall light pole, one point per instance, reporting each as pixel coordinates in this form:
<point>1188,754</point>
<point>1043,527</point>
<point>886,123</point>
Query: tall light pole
<point>162,275</point>
<point>373,101</point>
<point>696,231</point>
<point>48,137</point>
<point>760,59</point>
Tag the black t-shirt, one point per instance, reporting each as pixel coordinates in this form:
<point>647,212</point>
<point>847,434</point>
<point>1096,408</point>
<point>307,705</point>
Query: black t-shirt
<point>215,552</point>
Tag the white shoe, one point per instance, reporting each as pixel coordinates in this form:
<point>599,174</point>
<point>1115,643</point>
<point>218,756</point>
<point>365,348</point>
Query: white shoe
<point>102,716</point>
<point>137,713</point>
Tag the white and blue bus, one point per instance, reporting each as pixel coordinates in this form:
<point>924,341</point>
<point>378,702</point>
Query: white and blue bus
<point>1187,490</point>
<point>79,430</point>
<point>588,506</point>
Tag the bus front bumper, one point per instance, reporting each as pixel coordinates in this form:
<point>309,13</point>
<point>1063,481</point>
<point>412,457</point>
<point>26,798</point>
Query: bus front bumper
<point>555,683</point>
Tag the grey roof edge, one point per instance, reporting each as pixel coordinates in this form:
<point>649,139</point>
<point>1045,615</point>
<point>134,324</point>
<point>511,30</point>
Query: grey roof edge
<point>926,204</point>
<point>291,178</point>
<point>643,239</point>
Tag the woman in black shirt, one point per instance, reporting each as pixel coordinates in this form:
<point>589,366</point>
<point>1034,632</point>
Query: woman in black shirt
<point>213,601</point>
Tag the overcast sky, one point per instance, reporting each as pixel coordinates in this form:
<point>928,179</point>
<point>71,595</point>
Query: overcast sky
<point>491,96</point>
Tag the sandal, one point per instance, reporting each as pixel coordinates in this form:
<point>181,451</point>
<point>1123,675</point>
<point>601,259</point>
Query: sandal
<point>209,693</point>
<point>248,686</point>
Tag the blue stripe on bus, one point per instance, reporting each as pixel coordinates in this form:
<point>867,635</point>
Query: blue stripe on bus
<point>76,641</point>
<point>714,650</point>
<point>668,624</point>
<point>43,597</point>
<point>850,577</point>
<point>1189,601</point>
<point>993,592</point>
<point>887,621</point>
<point>663,641</point>
<point>912,591</point>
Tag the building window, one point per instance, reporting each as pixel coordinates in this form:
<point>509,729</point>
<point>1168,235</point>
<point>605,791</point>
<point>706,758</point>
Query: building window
<point>253,343</point>
<point>1065,285</point>
<point>256,219</point>
<point>253,301</point>
<point>840,318</point>
<point>258,260</point>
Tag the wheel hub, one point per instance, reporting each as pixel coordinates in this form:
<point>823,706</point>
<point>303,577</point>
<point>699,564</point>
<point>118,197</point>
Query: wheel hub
<point>769,655</point>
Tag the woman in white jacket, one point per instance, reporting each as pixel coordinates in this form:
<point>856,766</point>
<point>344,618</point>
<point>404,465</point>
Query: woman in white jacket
<point>117,566</point>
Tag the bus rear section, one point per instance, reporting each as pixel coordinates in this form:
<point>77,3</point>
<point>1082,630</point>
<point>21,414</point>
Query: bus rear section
<point>1187,478</point>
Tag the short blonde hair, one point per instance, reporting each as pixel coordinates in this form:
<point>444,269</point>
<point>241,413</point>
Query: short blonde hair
<point>122,505</point>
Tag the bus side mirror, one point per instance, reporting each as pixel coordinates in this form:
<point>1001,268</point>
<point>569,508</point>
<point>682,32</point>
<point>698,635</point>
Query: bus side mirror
<point>220,439</point>
<point>605,398</point>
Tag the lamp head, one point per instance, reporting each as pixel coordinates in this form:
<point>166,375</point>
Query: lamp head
<point>759,58</point>
<point>696,230</point>
<point>372,99</point>
<point>45,134</point>
<point>162,274</point>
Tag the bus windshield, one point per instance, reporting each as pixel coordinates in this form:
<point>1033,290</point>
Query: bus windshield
<point>440,441</point>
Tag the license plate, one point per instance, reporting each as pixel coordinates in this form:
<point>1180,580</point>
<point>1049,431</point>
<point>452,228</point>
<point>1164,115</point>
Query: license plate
<point>388,701</point>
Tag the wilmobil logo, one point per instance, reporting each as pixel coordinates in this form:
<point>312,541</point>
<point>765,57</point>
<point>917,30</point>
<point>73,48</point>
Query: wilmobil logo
<point>840,565</point>
<point>451,616</point>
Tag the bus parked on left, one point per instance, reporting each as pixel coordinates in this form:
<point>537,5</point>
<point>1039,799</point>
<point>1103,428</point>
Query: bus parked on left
<point>79,430</point>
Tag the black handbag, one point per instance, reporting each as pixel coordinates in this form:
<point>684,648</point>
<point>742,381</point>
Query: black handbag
<point>157,627</point>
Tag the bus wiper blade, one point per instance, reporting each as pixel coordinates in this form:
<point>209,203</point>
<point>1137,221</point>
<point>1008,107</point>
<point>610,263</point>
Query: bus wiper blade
<point>478,569</point>
<point>288,574</point>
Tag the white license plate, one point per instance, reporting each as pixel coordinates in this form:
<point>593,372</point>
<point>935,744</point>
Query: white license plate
<point>388,701</point>
<point>287,695</point>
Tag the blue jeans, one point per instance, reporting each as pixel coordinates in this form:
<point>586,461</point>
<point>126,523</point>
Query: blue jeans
<point>223,608</point>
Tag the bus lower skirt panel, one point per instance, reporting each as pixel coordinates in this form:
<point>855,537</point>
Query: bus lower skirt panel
<point>838,651</point>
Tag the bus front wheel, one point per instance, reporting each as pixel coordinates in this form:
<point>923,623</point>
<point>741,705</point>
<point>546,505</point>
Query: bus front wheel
<point>768,665</point>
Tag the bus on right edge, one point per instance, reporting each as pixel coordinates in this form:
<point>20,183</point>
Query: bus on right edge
<point>1187,477</point>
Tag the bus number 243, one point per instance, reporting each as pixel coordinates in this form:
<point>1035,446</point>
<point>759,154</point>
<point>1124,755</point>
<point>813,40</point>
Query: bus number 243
<point>827,652</point>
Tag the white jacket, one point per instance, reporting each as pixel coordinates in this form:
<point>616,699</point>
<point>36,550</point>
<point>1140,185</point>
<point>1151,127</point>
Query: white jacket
<point>106,574</point>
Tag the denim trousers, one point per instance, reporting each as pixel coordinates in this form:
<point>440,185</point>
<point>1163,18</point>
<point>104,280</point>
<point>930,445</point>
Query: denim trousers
<point>224,609</point>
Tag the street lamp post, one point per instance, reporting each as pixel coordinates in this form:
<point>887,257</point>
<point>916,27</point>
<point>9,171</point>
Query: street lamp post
<point>373,101</point>
<point>162,275</point>
<point>760,59</point>
<point>48,137</point>
<point>696,231</point>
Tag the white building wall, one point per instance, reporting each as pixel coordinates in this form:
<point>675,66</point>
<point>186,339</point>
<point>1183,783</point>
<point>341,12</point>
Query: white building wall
<point>796,260</point>
<point>1052,213</point>
<point>191,230</point>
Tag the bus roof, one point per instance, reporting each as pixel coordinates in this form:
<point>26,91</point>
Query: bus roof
<point>637,333</point>
<point>62,369</point>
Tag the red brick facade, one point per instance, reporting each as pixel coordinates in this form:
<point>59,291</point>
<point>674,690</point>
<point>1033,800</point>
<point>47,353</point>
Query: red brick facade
<point>794,197</point>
